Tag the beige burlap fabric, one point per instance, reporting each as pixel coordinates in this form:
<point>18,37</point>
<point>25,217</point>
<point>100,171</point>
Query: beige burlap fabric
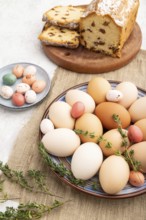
<point>25,156</point>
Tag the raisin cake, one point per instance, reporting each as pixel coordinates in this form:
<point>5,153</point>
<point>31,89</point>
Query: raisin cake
<point>64,16</point>
<point>106,25</point>
<point>58,36</point>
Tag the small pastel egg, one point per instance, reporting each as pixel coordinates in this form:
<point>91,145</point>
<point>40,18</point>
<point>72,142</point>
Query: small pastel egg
<point>30,96</point>
<point>114,95</point>
<point>6,92</point>
<point>136,178</point>
<point>30,70</point>
<point>38,86</point>
<point>22,88</point>
<point>77,110</point>
<point>29,79</point>
<point>46,125</point>
<point>18,70</point>
<point>135,134</point>
<point>9,79</point>
<point>18,99</point>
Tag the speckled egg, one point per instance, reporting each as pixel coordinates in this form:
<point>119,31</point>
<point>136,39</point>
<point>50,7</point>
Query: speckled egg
<point>22,88</point>
<point>30,96</point>
<point>9,79</point>
<point>6,92</point>
<point>38,86</point>
<point>18,70</point>
<point>31,70</point>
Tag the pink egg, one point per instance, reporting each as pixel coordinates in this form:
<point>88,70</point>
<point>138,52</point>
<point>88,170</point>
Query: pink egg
<point>78,109</point>
<point>135,134</point>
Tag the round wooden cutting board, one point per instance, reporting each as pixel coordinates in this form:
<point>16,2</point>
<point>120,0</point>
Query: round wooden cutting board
<point>82,60</point>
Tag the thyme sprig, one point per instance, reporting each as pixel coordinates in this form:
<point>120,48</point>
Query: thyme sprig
<point>27,181</point>
<point>59,168</point>
<point>85,133</point>
<point>28,211</point>
<point>128,155</point>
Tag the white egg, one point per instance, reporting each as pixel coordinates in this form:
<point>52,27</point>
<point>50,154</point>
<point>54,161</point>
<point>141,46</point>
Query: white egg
<point>31,70</point>
<point>30,96</point>
<point>60,115</point>
<point>61,142</point>
<point>75,95</point>
<point>46,125</point>
<point>114,96</point>
<point>22,88</point>
<point>86,161</point>
<point>6,92</point>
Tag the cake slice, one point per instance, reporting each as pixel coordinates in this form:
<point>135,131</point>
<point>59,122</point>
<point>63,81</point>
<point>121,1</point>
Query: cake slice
<point>106,25</point>
<point>57,36</point>
<point>64,16</point>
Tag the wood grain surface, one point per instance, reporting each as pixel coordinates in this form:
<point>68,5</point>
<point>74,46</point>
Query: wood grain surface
<point>82,60</point>
<point>25,156</point>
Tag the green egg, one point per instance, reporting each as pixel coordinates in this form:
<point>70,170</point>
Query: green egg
<point>9,79</point>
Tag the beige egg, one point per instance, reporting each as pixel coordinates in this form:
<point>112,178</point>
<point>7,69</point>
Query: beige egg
<point>105,111</point>
<point>114,174</point>
<point>38,86</point>
<point>140,154</point>
<point>98,88</point>
<point>75,95</point>
<point>61,142</point>
<point>86,160</point>
<point>91,126</point>
<point>138,109</point>
<point>142,125</point>
<point>112,142</point>
<point>129,91</point>
<point>60,115</point>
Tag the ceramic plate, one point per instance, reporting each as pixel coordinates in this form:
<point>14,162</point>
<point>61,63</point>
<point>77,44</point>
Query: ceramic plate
<point>128,191</point>
<point>41,74</point>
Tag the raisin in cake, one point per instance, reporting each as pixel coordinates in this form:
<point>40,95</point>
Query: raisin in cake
<point>57,36</point>
<point>106,25</point>
<point>64,16</point>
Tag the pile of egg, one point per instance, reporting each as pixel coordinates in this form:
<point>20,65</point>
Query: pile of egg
<point>26,90</point>
<point>92,113</point>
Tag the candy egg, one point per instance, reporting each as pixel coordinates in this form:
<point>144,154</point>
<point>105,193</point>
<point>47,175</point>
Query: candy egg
<point>18,70</point>
<point>29,79</point>
<point>78,109</point>
<point>38,86</point>
<point>114,95</point>
<point>46,125</point>
<point>18,99</point>
<point>30,96</point>
<point>30,70</point>
<point>135,134</point>
<point>6,92</point>
<point>22,88</point>
<point>9,79</point>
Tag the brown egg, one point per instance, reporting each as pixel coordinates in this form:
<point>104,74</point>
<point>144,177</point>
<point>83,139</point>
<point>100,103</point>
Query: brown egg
<point>142,125</point>
<point>112,142</point>
<point>139,155</point>
<point>98,88</point>
<point>105,111</point>
<point>38,86</point>
<point>90,123</point>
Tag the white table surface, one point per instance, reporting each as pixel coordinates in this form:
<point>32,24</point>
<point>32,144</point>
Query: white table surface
<point>20,24</point>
